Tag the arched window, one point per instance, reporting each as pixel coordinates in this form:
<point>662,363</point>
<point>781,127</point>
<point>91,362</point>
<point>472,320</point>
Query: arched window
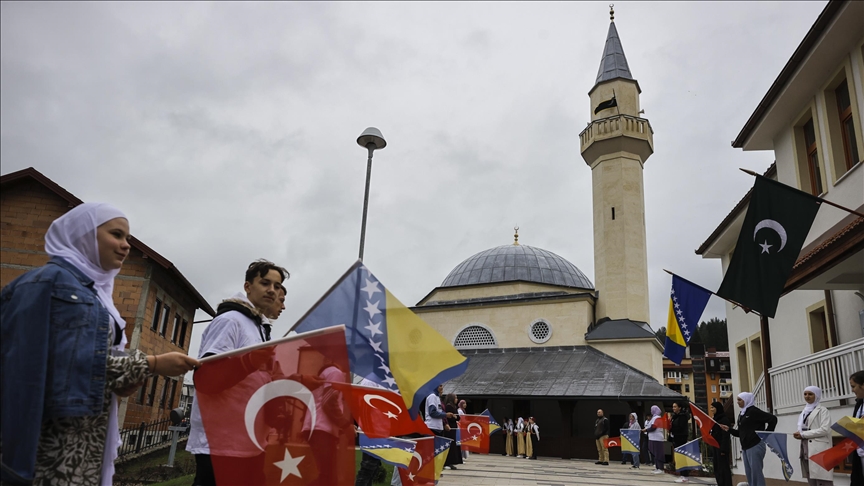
<point>475,336</point>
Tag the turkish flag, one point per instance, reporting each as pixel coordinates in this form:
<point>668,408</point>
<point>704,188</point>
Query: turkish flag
<point>832,457</point>
<point>421,471</point>
<point>382,413</point>
<point>612,442</point>
<point>705,424</point>
<point>475,433</point>
<point>272,415</point>
<point>663,422</point>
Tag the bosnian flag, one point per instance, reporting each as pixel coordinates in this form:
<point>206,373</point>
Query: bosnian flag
<point>630,440</point>
<point>688,456</point>
<point>387,343</point>
<point>705,424</point>
<point>493,425</point>
<point>851,428</point>
<point>391,450</point>
<point>382,413</point>
<point>475,433</point>
<point>270,402</point>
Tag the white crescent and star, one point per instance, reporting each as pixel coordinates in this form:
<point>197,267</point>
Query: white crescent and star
<point>288,465</point>
<point>368,399</point>
<point>276,389</point>
<point>773,225</point>
<point>474,424</point>
<point>698,421</point>
<point>419,459</point>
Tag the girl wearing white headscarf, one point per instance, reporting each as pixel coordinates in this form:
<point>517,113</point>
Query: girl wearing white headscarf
<point>814,432</point>
<point>750,420</point>
<point>62,355</point>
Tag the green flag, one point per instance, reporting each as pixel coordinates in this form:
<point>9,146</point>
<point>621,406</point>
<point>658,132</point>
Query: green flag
<point>775,226</point>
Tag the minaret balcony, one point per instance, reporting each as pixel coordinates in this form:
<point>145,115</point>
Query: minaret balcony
<point>617,133</point>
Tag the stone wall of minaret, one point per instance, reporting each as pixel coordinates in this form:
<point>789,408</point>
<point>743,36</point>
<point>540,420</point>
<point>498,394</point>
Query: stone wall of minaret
<point>615,146</point>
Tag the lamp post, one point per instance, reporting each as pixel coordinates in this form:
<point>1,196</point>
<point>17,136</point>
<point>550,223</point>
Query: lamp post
<point>371,139</point>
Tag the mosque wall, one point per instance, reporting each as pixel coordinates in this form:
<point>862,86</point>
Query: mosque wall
<point>642,355</point>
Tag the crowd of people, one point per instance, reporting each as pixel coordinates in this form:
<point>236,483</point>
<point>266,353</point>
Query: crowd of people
<point>63,352</point>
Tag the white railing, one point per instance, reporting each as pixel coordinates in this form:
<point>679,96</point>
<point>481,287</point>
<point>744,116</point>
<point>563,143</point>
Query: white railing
<point>828,369</point>
<point>759,393</point>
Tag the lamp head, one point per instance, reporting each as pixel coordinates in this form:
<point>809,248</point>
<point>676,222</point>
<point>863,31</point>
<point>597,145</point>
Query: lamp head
<point>372,135</point>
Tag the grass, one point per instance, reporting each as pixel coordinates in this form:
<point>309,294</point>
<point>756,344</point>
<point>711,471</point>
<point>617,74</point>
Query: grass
<point>150,468</point>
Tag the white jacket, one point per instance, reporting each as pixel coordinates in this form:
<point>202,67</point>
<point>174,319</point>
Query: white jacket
<point>818,439</point>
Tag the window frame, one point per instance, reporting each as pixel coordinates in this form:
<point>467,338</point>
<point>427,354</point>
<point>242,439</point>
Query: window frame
<point>157,315</point>
<point>175,330</point>
<point>166,313</point>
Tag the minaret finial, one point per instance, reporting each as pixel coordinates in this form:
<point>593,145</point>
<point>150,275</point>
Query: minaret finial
<point>516,235</point>
<point>611,12</point>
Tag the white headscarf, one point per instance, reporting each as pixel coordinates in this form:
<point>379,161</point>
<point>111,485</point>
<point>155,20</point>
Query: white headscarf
<point>810,406</point>
<point>748,398</point>
<point>73,238</point>
<point>634,418</point>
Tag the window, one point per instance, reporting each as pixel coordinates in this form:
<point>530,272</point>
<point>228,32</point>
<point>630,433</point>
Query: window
<point>176,328</point>
<point>819,336</point>
<point>173,393</point>
<point>157,313</point>
<point>743,366</point>
<point>540,331</point>
<point>686,388</point>
<point>151,397</point>
<point>475,336</point>
<point>713,388</point>
<point>812,154</point>
<point>713,376</point>
<point>847,124</point>
<point>142,392</point>
<point>712,363</point>
<point>182,341</point>
<point>166,313</point>
<point>686,376</point>
<point>164,395</point>
<point>723,366</point>
<point>725,388</point>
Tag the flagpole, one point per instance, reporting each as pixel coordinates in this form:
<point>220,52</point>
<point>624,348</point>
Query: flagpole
<point>821,200</point>
<point>736,304</point>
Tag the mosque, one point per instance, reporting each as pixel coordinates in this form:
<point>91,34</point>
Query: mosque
<point>542,340</point>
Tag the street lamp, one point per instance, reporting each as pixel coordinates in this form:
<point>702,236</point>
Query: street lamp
<point>371,139</point>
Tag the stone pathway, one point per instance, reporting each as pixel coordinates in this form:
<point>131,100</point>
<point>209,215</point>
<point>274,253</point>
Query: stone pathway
<point>499,470</point>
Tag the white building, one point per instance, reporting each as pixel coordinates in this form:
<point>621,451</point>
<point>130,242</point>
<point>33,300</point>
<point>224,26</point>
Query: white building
<point>811,119</point>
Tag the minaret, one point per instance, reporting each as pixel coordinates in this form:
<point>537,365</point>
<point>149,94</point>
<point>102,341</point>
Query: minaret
<point>616,145</point>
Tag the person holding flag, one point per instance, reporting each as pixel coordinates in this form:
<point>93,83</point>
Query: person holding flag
<point>634,425</point>
<point>722,455</point>
<point>750,420</point>
<point>656,439</point>
<point>856,382</point>
<point>814,432</point>
<point>679,435</point>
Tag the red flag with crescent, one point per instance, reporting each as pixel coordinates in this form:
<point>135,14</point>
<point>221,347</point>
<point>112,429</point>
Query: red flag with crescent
<point>612,442</point>
<point>705,424</point>
<point>663,422</point>
<point>421,471</point>
<point>475,433</point>
<point>272,416</point>
<point>382,413</point>
<point>829,459</point>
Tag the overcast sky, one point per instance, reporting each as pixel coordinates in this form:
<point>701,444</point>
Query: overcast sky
<point>227,131</point>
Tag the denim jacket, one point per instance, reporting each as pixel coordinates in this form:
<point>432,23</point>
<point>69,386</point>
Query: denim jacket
<point>53,354</point>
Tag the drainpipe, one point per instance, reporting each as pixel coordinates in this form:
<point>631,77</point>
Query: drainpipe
<point>766,361</point>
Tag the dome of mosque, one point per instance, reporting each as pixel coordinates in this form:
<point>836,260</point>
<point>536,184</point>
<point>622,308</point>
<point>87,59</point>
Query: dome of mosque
<point>514,262</point>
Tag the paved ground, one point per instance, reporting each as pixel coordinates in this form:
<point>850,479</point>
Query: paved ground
<point>499,470</point>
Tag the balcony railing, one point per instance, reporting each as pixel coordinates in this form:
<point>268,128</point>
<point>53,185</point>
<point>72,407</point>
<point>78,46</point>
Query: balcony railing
<point>828,369</point>
<point>616,125</point>
<point>759,393</point>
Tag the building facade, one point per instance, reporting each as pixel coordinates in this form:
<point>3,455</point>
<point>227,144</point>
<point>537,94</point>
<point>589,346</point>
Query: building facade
<point>810,123</point>
<point>153,297</point>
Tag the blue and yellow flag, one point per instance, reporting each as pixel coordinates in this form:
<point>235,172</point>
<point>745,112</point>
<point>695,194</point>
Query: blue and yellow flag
<point>686,304</point>
<point>630,440</point>
<point>442,445</point>
<point>393,451</point>
<point>776,443</point>
<point>688,456</point>
<point>493,425</point>
<point>387,343</point>
<point>852,428</point>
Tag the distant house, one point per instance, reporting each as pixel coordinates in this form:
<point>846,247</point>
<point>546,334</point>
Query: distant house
<point>154,298</point>
<point>810,119</point>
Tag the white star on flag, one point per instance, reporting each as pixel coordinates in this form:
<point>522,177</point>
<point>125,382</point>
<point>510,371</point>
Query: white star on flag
<point>385,368</point>
<point>371,288</point>
<point>390,381</point>
<point>390,415</point>
<point>372,309</point>
<point>374,328</point>
<point>411,476</point>
<point>375,346</point>
<point>765,247</point>
<point>288,465</point>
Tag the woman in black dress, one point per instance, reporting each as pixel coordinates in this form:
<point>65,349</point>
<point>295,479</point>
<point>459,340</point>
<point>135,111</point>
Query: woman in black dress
<point>454,455</point>
<point>722,455</point>
<point>679,433</point>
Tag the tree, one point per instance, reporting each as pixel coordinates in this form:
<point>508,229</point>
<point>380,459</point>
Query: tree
<point>661,334</point>
<point>713,334</point>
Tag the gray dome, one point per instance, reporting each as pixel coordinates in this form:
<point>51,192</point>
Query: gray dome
<point>517,262</point>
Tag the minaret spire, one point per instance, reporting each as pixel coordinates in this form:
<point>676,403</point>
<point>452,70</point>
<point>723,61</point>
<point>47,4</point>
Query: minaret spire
<point>614,63</point>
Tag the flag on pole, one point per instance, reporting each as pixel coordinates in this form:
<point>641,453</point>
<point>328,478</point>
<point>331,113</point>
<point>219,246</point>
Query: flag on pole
<point>421,469</point>
<point>387,343</point>
<point>688,456</point>
<point>686,303</point>
<point>269,403</point>
<point>493,425</point>
<point>605,105</point>
<point>776,443</point>
<point>705,424</point>
<point>611,442</point>
<point>852,428</point>
<point>663,422</point>
<point>391,450</point>
<point>829,459</point>
<point>630,440</point>
<point>775,227</point>
<point>475,433</point>
<point>382,413</point>
<point>442,446</point>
